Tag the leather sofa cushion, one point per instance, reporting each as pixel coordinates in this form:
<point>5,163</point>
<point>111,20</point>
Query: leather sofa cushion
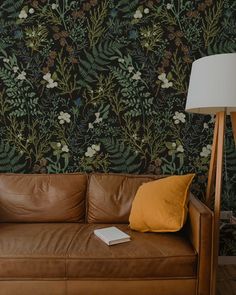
<point>148,255</point>
<point>63,250</point>
<point>110,196</point>
<point>35,250</point>
<point>42,197</point>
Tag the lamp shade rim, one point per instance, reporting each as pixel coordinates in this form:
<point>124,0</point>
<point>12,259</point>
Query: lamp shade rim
<point>211,110</point>
<point>214,56</point>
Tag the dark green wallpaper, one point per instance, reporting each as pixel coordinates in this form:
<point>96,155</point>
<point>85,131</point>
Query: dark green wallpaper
<point>101,85</point>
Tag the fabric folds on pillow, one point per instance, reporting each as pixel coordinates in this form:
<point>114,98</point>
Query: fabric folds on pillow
<point>161,205</point>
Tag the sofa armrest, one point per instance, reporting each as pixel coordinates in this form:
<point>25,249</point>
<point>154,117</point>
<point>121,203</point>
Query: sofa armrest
<point>199,230</point>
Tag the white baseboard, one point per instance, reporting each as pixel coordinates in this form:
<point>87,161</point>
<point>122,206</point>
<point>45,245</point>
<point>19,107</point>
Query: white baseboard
<point>227,259</point>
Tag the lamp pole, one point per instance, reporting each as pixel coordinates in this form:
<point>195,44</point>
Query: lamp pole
<point>215,176</point>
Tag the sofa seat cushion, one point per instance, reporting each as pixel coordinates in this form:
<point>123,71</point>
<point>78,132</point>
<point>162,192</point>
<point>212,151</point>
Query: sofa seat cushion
<point>72,251</point>
<point>35,250</point>
<point>148,255</point>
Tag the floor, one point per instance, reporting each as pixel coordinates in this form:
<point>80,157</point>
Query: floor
<point>226,283</point>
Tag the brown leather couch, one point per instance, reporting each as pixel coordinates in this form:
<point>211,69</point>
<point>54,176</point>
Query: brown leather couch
<point>47,245</point>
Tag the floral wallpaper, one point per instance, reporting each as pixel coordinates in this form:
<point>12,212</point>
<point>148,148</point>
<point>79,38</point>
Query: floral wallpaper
<point>100,85</point>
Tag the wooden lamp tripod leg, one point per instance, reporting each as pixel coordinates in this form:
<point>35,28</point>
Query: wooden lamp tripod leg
<point>233,121</point>
<point>212,169</point>
<point>215,173</point>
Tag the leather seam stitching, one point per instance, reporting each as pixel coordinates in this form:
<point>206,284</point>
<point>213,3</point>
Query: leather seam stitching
<point>26,279</point>
<point>109,259</point>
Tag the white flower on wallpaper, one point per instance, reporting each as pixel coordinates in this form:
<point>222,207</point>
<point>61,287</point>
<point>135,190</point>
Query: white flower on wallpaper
<point>96,147</point>
<point>100,89</point>
<point>64,118</point>
<point>206,151</point>
<point>65,148</point>
<point>166,83</point>
<point>180,148</point>
<point>162,77</point>
<point>130,69</point>
<point>20,136</point>
<point>169,6</point>
<point>121,60</point>
<point>136,76</point>
<point>91,151</point>
<point>21,76</point>
<point>23,14</point>
<point>179,117</point>
<point>51,82</point>
<point>55,6</point>
<point>47,76</point>
<point>15,69</point>
<point>138,14</point>
<point>98,118</point>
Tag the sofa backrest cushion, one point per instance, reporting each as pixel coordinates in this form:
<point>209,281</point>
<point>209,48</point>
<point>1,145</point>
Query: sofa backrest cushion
<point>42,197</point>
<point>110,196</point>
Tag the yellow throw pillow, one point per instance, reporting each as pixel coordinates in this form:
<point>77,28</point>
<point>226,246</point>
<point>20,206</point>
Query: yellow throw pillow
<point>161,205</point>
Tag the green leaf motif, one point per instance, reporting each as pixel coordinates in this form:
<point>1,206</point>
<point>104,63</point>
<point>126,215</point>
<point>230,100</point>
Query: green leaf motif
<point>10,159</point>
<point>96,61</point>
<point>21,98</point>
<point>123,159</point>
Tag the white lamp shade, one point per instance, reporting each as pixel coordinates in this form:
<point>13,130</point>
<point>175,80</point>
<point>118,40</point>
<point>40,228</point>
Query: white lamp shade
<point>212,86</point>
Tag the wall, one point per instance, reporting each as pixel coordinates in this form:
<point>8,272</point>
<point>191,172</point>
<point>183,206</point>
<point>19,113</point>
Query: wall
<point>101,85</point>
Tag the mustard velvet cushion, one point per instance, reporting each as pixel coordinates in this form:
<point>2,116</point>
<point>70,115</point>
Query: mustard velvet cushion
<point>161,205</point>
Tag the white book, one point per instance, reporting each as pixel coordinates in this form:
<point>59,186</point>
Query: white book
<point>112,235</point>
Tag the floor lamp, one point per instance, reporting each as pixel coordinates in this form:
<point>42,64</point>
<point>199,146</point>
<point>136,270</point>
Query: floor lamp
<point>212,90</point>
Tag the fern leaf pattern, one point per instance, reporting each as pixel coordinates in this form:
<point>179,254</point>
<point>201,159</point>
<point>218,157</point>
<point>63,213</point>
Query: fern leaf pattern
<point>10,159</point>
<point>121,157</point>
